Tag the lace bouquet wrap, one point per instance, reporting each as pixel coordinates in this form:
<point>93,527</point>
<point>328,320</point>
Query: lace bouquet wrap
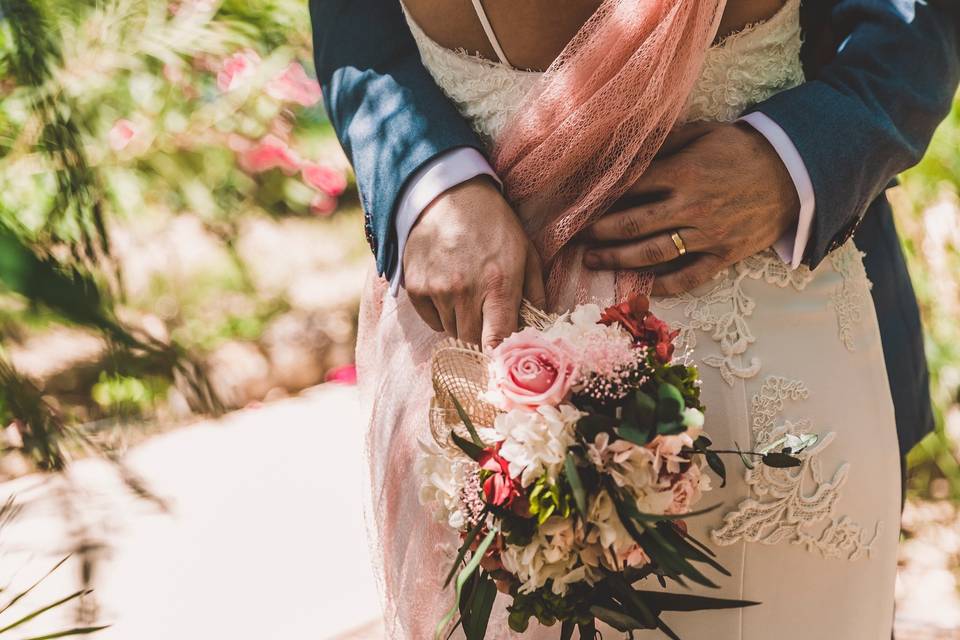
<point>566,461</point>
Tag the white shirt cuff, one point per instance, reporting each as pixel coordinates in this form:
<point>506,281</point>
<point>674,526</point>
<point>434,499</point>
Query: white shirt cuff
<point>444,172</point>
<point>792,245</point>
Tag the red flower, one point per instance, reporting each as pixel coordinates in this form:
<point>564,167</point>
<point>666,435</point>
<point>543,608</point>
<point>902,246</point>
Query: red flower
<point>499,488</point>
<point>647,329</point>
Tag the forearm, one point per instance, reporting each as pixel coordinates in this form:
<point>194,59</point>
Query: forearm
<point>389,114</point>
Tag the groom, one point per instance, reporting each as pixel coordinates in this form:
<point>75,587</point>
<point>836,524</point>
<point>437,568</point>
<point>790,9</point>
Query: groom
<point>803,172</point>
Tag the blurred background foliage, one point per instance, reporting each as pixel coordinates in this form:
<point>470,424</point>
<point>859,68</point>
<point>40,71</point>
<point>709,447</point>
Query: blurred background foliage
<point>177,226</point>
<point>179,234</point>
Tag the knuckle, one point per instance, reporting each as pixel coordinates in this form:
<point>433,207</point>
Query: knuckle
<point>628,226</point>
<point>653,253</point>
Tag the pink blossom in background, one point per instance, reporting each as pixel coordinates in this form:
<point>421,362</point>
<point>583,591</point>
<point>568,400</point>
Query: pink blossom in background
<point>120,135</point>
<point>237,69</point>
<point>347,374</point>
<point>294,85</point>
<point>270,153</point>
<point>322,204</point>
<point>323,178</point>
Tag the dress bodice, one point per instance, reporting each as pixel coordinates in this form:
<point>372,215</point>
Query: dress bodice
<point>741,70</point>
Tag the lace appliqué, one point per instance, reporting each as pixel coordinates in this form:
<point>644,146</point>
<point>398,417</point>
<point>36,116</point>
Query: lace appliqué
<point>725,309</point>
<point>749,66</point>
<point>852,293</point>
<point>793,504</point>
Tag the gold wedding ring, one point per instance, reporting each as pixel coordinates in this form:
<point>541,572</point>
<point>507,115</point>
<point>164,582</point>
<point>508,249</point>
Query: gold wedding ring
<point>677,240</point>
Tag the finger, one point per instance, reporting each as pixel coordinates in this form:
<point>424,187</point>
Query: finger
<point>533,289</point>
<point>448,316</point>
<point>698,272</point>
<point>427,312</point>
<point>638,222</point>
<point>500,312</point>
<point>648,252</point>
<point>468,321</point>
<point>683,136</point>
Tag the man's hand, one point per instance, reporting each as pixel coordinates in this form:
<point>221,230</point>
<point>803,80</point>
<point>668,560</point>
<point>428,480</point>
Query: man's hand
<point>721,187</point>
<point>467,263</point>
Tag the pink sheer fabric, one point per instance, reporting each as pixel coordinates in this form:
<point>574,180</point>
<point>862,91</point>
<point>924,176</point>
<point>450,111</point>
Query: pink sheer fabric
<point>586,132</point>
<point>591,126</point>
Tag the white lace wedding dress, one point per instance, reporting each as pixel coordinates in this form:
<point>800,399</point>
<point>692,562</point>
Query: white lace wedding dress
<point>780,351</point>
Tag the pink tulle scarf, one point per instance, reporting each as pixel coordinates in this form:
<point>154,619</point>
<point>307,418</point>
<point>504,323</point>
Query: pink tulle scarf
<point>593,123</point>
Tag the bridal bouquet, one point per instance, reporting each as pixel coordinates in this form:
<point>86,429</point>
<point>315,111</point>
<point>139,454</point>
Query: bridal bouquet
<point>566,460</point>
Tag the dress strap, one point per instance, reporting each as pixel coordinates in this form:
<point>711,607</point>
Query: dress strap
<point>488,29</point>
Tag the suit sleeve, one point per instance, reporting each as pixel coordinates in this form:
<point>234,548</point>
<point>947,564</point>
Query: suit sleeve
<point>388,113</point>
<point>870,112</point>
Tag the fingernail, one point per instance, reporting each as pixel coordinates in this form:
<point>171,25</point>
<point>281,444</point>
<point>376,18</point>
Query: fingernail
<point>592,260</point>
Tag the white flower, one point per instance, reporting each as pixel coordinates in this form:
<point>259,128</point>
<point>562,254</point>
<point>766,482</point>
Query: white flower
<point>609,543</point>
<point>536,442</point>
<point>442,475</point>
<point>628,464</point>
<point>553,554</point>
<point>693,421</point>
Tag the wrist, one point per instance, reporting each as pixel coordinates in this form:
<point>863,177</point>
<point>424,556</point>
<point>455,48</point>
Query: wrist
<point>785,201</point>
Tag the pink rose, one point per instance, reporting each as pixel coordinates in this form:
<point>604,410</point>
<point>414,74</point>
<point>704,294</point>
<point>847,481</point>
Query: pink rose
<point>236,69</point>
<point>294,85</point>
<point>528,371</point>
<point>322,178</point>
<point>120,135</point>
<point>269,153</point>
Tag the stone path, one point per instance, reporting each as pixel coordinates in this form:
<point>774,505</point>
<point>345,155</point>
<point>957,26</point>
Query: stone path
<point>263,540</point>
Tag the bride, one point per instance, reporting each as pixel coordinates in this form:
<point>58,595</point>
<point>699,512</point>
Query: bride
<point>780,350</point>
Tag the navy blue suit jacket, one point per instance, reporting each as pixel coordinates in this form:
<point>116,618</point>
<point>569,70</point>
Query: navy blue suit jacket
<point>866,113</point>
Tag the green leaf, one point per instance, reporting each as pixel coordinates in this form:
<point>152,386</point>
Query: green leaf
<point>632,599</point>
<point>616,619</point>
<point>471,536</point>
<point>671,428</point>
<point>669,403</point>
<point>663,601</point>
<point>716,464</point>
<point>469,448</point>
<point>680,542</point>
<point>595,423</point>
<point>465,419</point>
<point>634,435</point>
<point>702,443</point>
<point>23,593</point>
<point>475,625</point>
<point>746,461</point>
<point>462,580</point>
<point>576,484</point>
<point>645,410</point>
<point>79,631</point>
<point>31,616</point>
<point>780,460</point>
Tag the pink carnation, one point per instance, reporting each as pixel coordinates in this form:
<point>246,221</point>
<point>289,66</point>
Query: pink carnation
<point>120,135</point>
<point>269,153</point>
<point>236,69</point>
<point>528,370</point>
<point>294,85</point>
<point>330,181</point>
